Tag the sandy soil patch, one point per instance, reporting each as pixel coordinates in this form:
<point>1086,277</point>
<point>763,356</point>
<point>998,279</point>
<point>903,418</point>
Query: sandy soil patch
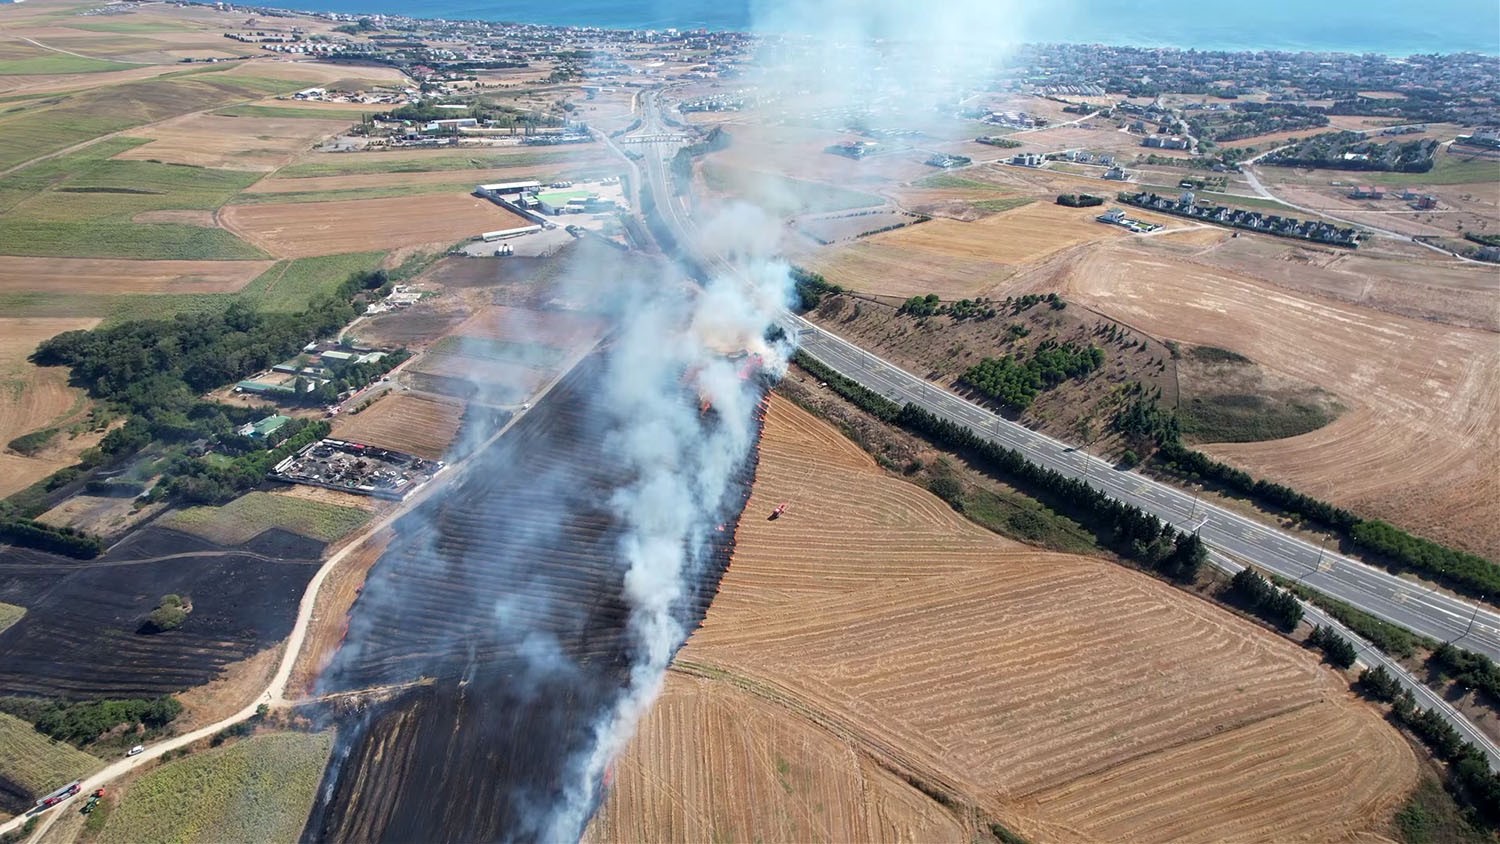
<point>99,515</point>
<point>34,397</point>
<point>303,229</point>
<point>1031,686</point>
<point>330,616</point>
<point>1421,443</point>
<point>236,686</point>
<point>233,143</point>
<point>91,275</point>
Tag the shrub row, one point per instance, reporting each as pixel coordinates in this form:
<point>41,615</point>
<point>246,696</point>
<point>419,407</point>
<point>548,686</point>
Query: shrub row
<point>58,540</point>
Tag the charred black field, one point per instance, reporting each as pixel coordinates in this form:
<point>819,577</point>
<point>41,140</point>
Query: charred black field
<point>508,590</point>
<point>81,637</point>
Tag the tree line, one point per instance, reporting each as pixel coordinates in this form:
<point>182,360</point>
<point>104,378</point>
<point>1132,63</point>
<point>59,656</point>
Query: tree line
<point>83,723</point>
<point>1465,573</point>
<point>1252,593</point>
<point>1469,776</point>
<point>1129,530</point>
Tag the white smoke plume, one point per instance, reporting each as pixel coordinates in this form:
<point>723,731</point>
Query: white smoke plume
<point>685,454</point>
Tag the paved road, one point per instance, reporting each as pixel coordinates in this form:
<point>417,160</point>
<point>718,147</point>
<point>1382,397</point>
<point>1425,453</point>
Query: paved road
<point>1233,538</point>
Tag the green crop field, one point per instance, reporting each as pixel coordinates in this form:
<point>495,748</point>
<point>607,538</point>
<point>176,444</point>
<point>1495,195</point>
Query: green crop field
<point>133,27</point>
<point>783,195</point>
<point>246,517</point>
<point>10,614</point>
<point>43,126</point>
<point>37,763</point>
<point>81,205</point>
<point>366,163</point>
<point>311,112</point>
<point>417,189</point>
<point>92,239</point>
<point>949,180</point>
<point>259,789</point>
<point>1003,204</point>
<point>291,285</point>
<point>58,63</point>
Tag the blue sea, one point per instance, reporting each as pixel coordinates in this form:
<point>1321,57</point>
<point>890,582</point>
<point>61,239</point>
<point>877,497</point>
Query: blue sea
<point>1391,27</point>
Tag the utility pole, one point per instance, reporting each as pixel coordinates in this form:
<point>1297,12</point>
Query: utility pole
<point>1472,616</point>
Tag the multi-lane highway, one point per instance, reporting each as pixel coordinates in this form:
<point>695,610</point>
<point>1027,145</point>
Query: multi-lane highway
<point>1242,537</point>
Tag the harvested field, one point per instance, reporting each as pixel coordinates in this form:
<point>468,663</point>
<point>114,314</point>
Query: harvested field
<point>10,614</point>
<point>416,424</point>
<point>246,517</point>
<point>1066,697</point>
<point>1420,443</point>
<point>33,398</point>
<point>32,764</point>
<point>258,789</point>
<point>234,143</point>
<point>772,778</point>
<point>956,259</point>
<point>99,515</point>
<point>304,229</point>
<point>103,276</point>
<point>244,600</point>
<point>553,329</point>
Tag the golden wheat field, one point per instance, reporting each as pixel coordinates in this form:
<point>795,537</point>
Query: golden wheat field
<point>871,632</point>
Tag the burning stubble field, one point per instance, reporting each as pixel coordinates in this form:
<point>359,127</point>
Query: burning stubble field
<point>1418,444</point>
<point>509,588</point>
<point>881,642</point>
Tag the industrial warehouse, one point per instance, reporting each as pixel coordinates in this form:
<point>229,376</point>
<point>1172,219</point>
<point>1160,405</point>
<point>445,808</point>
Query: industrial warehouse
<point>357,468</point>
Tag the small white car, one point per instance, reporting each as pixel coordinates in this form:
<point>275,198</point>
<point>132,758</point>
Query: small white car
<point>140,748</point>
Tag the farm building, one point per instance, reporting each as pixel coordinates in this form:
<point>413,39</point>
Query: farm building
<point>265,427</point>
<point>261,388</point>
<point>573,200</point>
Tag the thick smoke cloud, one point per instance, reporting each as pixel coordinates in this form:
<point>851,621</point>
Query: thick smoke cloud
<point>682,396</point>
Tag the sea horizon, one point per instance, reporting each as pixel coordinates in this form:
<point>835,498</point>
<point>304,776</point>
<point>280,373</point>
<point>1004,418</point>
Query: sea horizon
<point>1380,26</point>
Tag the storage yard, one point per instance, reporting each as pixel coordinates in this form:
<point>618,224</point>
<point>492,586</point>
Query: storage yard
<point>1064,697</point>
<point>358,468</point>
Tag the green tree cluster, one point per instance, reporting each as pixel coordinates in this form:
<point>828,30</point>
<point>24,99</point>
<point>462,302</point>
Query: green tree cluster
<point>1253,593</point>
<point>1016,383</point>
<point>1336,648</point>
<point>810,288</point>
<point>1476,671</point>
<point>168,615</point>
<point>83,723</point>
